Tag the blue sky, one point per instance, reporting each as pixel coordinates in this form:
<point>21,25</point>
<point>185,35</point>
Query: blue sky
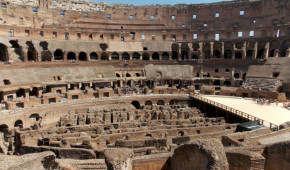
<point>149,2</point>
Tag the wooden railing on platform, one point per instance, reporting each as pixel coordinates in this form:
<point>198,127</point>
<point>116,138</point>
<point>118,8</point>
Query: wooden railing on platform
<point>237,112</point>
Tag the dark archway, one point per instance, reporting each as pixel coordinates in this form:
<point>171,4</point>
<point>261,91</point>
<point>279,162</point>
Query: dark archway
<point>165,56</point>
<point>94,56</point>
<point>5,130</point>
<point>217,83</point>
<point>34,117</point>
<point>83,56</point>
<point>145,56</point>
<point>238,55</point>
<point>195,57</point>
<point>184,55</point>
<point>104,56</point>
<point>17,49</point>
<point>18,123</point>
<point>71,56</point>
<point>136,104</point>
<point>46,55</point>
<point>174,55</point>
<point>160,102</point>
<point>216,54</point>
<point>115,56</point>
<point>58,54</point>
<point>155,56</point>
<point>148,103</point>
<point>227,83</point>
<point>136,56</point>
<point>250,53</point>
<point>125,56</point>
<point>31,53</point>
<point>260,54</point>
<point>228,54</point>
<point>20,93</point>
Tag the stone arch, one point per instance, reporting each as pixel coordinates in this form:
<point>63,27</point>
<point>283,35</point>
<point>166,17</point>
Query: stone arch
<point>184,51</point>
<point>17,49</point>
<point>145,56</point>
<point>274,45</point>
<point>216,54</point>
<point>206,50</point>
<point>155,56</point>
<point>148,103</point>
<point>217,83</point>
<point>239,45</point>
<point>284,47</point>
<point>46,55</point>
<point>31,53</point>
<point>137,75</point>
<point>94,56</point>
<point>165,56</point>
<point>195,46</point>
<point>238,55</point>
<point>160,103</point>
<point>174,49</point>
<point>71,56</point>
<point>58,54</point>
<point>104,56</point>
<point>115,56</point>
<point>184,55</point>
<point>18,123</point>
<point>34,117</point>
<point>172,102</point>
<point>227,83</point>
<point>125,56</point>
<point>228,54</point>
<point>20,93</point>
<point>136,56</point>
<point>118,75</point>
<point>128,75</point>
<point>136,104</point>
<point>83,56</point>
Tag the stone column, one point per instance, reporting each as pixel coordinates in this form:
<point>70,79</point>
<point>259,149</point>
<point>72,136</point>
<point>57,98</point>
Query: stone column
<point>256,50</point>
<point>234,51</point>
<point>201,50</point>
<point>223,50</point>
<point>266,54</point>
<point>244,50</point>
<point>211,49</point>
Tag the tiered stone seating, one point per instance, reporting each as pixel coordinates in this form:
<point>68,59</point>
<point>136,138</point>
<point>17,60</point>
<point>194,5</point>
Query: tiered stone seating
<point>263,84</point>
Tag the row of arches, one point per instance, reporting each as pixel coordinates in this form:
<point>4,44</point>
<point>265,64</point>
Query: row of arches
<point>137,104</point>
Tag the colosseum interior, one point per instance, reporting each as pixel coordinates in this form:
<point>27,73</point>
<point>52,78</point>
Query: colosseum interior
<point>87,85</point>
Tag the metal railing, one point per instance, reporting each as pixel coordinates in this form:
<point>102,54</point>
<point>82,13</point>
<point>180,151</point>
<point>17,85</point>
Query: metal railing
<point>237,112</point>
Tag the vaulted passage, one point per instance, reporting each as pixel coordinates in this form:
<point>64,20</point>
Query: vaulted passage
<point>58,54</point>
<point>136,56</point>
<point>71,56</point>
<point>3,53</point>
<point>83,56</point>
<point>115,56</point>
<point>125,56</point>
<point>155,56</point>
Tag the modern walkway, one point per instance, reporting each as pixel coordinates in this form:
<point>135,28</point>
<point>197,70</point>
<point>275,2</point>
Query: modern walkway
<point>270,115</point>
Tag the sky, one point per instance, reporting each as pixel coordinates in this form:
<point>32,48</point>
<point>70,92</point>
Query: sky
<point>149,2</point>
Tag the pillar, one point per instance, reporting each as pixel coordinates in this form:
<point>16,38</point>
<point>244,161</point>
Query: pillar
<point>244,50</point>
<point>266,54</point>
<point>211,49</point>
<point>223,50</point>
<point>256,50</point>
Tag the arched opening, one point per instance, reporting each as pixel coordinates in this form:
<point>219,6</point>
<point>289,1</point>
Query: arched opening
<point>136,56</point>
<point>115,56</point>
<point>136,104</point>
<point>180,133</point>
<point>227,83</point>
<point>165,56</point>
<point>285,46</point>
<point>58,54</point>
<point>137,75</point>
<point>160,103</point>
<point>148,136</point>
<point>83,56</point>
<point>128,75</point>
<point>18,123</point>
<point>104,56</point>
<point>250,53</point>
<point>260,54</point>
<point>184,55</point>
<point>174,55</point>
<point>155,56</point>
<point>31,53</point>
<point>20,93</point>
<point>46,55</point>
<point>195,57</point>
<point>238,55</point>
<point>71,56</point>
<point>125,56</point>
<point>3,53</point>
<point>118,75</point>
<point>145,56</point>
<point>17,49</point>
<point>216,54</point>
<point>217,83</point>
<point>172,102</point>
<point>228,54</point>
<point>148,103</point>
<point>206,50</point>
<point>94,56</point>
<point>4,129</point>
<point>272,53</point>
<point>274,45</point>
<point>195,46</point>
<point>34,92</point>
<point>34,117</point>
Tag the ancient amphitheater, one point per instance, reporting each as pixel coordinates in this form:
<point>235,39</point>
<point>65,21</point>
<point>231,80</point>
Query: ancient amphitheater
<point>87,85</point>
